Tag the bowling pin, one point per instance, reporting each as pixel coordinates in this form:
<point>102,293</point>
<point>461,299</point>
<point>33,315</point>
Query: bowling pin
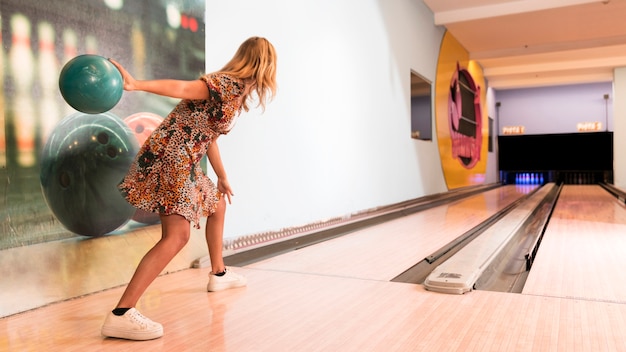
<point>69,45</point>
<point>69,52</point>
<point>91,45</point>
<point>49,108</point>
<point>140,54</point>
<point>22,62</point>
<point>3,144</point>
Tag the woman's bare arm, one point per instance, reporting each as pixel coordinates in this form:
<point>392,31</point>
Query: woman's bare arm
<point>173,88</point>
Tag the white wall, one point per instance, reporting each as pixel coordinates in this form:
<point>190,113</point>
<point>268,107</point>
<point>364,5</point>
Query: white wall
<point>619,123</point>
<point>492,173</point>
<point>336,140</point>
<point>556,109</point>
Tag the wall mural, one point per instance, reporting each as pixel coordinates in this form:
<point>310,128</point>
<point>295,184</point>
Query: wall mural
<point>48,193</point>
<point>464,106</point>
<point>462,127</point>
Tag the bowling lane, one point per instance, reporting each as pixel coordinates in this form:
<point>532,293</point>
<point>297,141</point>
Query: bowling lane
<point>582,252</point>
<point>383,251</point>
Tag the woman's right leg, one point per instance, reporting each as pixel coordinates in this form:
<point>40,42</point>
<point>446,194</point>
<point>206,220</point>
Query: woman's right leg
<point>214,233</point>
<point>219,278</point>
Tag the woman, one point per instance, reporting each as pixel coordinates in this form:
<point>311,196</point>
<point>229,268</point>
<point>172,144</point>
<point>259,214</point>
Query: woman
<point>166,176</point>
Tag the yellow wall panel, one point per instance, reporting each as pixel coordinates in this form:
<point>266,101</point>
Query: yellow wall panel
<point>460,115</point>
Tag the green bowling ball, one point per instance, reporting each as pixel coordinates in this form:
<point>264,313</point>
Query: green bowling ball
<point>83,161</point>
<point>91,84</point>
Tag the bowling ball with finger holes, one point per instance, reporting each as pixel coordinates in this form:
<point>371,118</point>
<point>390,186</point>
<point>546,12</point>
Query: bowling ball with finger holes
<point>143,124</point>
<point>91,84</point>
<point>84,159</point>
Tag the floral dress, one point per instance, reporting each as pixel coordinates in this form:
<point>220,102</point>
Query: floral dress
<point>166,176</point>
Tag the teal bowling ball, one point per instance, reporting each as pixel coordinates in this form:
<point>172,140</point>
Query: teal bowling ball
<point>91,84</point>
<point>83,161</point>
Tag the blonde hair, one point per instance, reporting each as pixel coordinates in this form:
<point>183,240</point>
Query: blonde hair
<point>255,60</point>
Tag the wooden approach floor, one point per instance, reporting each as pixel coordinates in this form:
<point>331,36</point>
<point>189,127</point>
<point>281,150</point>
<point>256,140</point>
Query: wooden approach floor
<point>336,296</point>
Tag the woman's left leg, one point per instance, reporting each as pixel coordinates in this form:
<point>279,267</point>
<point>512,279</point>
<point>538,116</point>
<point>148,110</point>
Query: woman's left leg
<point>125,321</point>
<point>175,235</point>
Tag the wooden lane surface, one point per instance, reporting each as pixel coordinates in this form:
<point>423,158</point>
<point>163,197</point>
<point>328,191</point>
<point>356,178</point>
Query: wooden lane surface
<point>582,254</point>
<point>44,273</point>
<point>280,311</point>
<point>383,251</point>
<point>303,311</point>
<point>33,276</point>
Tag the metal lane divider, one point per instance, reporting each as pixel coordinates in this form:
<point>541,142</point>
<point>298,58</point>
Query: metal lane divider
<point>460,272</point>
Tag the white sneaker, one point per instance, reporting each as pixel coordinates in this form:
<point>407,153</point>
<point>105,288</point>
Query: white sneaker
<point>131,326</point>
<point>226,281</point>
